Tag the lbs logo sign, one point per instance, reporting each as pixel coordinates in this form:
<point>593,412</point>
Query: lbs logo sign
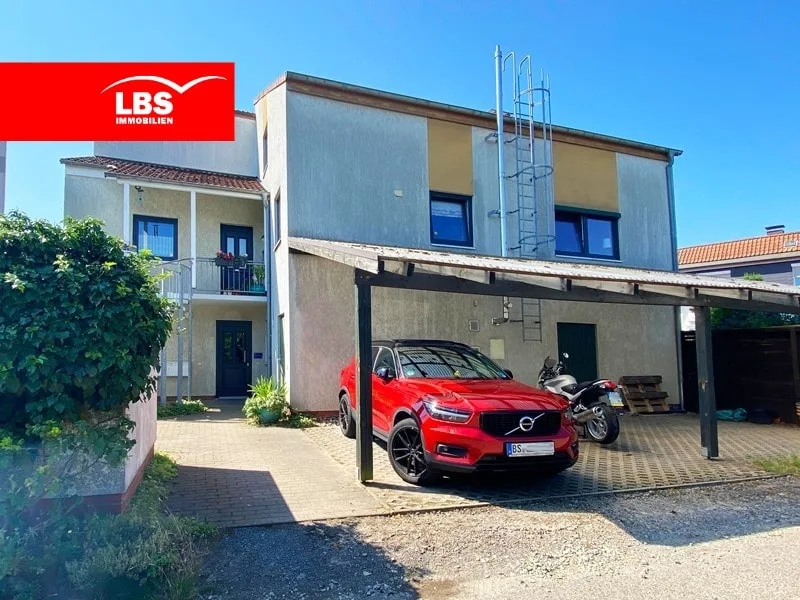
<point>118,102</point>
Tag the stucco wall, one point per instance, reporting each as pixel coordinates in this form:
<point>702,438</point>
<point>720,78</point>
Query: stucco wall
<point>239,157</point>
<point>644,225</point>
<point>346,162</point>
<point>143,413</point>
<point>94,197</point>
<point>631,340</point>
<point>204,340</point>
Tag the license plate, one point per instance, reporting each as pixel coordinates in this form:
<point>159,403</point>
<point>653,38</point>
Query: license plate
<point>614,399</point>
<point>530,449</point>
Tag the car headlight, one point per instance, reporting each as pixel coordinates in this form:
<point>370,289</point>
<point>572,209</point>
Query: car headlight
<point>446,413</point>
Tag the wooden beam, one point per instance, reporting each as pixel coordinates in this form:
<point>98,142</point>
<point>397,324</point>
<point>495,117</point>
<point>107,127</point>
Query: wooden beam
<point>363,320</point>
<point>618,287</point>
<point>553,283</point>
<point>504,287</point>
<point>669,290</point>
<point>477,275</point>
<point>709,440</point>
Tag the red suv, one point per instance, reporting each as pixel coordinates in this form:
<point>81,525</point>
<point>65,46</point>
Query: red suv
<point>445,407</point>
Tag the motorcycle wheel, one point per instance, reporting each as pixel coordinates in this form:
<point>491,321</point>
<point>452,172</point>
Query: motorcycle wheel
<point>605,428</point>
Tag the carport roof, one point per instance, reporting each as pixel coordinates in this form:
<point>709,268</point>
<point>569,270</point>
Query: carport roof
<point>435,270</point>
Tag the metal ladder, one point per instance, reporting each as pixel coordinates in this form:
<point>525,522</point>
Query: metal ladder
<point>533,177</point>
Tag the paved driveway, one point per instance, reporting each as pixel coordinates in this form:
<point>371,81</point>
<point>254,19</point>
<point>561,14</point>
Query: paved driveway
<point>234,474</point>
<point>655,451</point>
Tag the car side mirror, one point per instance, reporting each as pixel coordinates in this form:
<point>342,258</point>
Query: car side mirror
<point>385,373</point>
<point>509,373</point>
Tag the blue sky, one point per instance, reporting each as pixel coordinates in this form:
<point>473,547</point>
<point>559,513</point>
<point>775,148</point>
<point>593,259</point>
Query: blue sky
<point>720,80</point>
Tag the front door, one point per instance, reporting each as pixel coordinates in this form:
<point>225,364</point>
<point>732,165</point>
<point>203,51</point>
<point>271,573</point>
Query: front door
<point>579,340</point>
<point>238,241</point>
<point>234,351</point>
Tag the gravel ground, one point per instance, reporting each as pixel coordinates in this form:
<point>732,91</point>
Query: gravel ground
<point>728,541</point>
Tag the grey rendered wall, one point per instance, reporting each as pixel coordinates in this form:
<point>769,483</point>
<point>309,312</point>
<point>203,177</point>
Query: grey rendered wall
<point>631,340</point>
<point>94,197</point>
<point>346,162</point>
<point>239,157</point>
<point>644,225</point>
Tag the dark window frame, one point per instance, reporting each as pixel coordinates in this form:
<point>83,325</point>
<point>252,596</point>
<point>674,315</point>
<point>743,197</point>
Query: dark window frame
<point>582,215</point>
<point>466,201</point>
<point>152,219</point>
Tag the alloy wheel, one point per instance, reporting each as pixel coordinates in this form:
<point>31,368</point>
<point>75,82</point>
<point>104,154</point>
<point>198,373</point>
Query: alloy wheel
<point>597,428</point>
<point>344,413</point>
<point>407,451</point>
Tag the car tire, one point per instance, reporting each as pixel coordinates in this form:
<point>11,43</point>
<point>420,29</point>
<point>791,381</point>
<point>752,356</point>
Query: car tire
<point>407,453</point>
<point>346,421</point>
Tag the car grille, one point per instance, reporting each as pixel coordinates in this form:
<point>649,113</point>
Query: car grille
<point>499,423</point>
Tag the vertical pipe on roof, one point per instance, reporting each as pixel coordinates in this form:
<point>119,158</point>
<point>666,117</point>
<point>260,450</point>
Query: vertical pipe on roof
<point>501,174</point>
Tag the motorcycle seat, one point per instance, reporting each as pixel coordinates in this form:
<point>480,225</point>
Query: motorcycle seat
<point>574,388</point>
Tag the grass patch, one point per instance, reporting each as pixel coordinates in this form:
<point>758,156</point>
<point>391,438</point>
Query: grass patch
<point>177,409</point>
<point>143,553</point>
<point>785,465</point>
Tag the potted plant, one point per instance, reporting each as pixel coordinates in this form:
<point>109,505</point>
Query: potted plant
<point>258,279</point>
<point>224,259</point>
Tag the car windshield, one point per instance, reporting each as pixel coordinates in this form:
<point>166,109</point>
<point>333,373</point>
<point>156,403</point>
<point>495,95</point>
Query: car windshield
<point>447,362</point>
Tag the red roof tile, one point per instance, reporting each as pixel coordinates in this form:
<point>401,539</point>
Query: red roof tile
<point>785,243</point>
<point>116,167</point>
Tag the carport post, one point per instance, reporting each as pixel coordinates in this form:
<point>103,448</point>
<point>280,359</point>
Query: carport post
<point>705,382</point>
<point>363,377</point>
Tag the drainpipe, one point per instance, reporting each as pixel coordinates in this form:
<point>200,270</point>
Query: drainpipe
<point>265,199</point>
<point>673,230</point>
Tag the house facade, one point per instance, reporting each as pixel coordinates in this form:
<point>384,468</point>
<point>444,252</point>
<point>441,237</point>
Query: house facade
<point>333,161</point>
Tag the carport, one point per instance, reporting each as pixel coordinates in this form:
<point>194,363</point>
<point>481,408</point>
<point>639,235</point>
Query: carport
<point>436,271</point>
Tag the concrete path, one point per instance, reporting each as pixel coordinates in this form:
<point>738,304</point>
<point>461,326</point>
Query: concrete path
<point>234,474</point>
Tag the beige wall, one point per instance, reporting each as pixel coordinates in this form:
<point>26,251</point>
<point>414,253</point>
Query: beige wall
<point>204,339</point>
<point>631,340</point>
<point>102,198</point>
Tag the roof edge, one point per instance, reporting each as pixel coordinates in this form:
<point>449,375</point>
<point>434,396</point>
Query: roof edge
<point>338,86</point>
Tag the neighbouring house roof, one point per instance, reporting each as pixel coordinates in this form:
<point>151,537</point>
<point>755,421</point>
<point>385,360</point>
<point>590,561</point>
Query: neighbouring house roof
<point>356,94</point>
<point>245,113</point>
<point>115,167</point>
<point>781,246</point>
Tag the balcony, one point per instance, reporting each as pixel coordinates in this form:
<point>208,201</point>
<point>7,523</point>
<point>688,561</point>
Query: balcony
<point>234,278</point>
<point>213,279</point>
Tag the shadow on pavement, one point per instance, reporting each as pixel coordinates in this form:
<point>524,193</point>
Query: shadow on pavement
<point>314,560</point>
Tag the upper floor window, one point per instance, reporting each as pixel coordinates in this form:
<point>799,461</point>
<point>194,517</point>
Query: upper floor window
<point>593,235</point>
<point>451,219</point>
<point>796,274</point>
<point>157,234</point>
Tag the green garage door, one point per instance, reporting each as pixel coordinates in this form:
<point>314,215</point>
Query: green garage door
<point>579,340</point>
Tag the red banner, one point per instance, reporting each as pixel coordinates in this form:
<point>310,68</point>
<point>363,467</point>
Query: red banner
<point>117,102</point>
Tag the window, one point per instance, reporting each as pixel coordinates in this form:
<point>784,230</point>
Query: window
<point>447,362</point>
<point>384,359</point>
<point>587,234</point>
<point>796,274</point>
<point>156,234</point>
<point>277,218</point>
<point>451,219</point>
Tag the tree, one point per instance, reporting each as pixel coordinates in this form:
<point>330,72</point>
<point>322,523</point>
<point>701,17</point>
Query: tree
<point>727,318</point>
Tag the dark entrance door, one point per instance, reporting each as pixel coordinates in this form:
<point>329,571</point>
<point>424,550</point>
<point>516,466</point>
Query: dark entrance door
<point>236,240</point>
<point>579,340</point>
<point>234,349</point>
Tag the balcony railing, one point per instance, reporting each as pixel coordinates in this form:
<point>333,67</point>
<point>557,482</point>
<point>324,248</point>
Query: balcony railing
<point>237,278</point>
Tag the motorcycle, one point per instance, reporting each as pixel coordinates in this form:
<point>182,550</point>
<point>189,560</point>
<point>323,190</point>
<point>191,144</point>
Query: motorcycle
<point>592,404</point>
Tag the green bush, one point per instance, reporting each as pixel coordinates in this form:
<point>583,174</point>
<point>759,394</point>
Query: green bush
<point>186,407</point>
<point>81,326</point>
<point>143,553</point>
<point>267,403</point>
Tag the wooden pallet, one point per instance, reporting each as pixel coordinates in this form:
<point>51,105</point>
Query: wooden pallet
<point>642,394</point>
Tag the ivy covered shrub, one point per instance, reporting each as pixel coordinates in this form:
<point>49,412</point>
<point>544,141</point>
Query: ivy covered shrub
<point>81,324</point>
